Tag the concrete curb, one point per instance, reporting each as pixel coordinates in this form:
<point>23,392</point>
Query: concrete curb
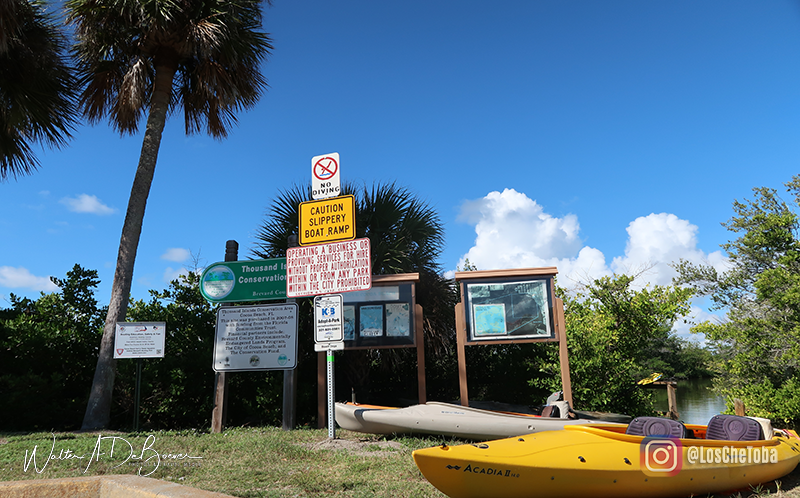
<point>115,486</point>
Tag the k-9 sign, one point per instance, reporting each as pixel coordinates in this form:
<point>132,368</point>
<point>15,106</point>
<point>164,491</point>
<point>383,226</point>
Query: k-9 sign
<point>328,318</point>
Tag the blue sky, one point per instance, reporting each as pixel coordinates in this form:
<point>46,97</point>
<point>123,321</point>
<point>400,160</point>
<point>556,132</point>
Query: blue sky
<point>593,136</point>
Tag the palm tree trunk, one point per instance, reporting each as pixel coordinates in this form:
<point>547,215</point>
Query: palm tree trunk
<point>98,410</point>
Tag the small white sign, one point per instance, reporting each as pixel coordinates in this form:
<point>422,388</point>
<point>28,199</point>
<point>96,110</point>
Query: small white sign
<point>329,346</point>
<point>328,318</point>
<point>139,340</point>
<point>253,338</point>
<point>325,176</point>
<point>328,268</point>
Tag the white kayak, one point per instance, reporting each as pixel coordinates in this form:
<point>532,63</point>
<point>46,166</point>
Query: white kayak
<point>448,420</point>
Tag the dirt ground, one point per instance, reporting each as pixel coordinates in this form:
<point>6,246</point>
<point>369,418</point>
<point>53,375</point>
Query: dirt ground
<point>786,487</point>
<point>358,447</point>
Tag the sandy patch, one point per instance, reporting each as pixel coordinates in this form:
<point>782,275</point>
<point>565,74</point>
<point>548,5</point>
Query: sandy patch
<point>358,447</point>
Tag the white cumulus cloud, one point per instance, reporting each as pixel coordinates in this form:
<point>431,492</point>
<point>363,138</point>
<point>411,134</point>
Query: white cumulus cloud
<point>22,278</point>
<point>85,203</point>
<point>514,231</point>
<point>655,241</point>
<point>176,254</point>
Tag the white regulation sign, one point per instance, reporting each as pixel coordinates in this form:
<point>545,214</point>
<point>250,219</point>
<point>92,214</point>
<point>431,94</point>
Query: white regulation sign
<point>260,337</point>
<point>328,268</point>
<point>139,340</point>
<point>325,176</point>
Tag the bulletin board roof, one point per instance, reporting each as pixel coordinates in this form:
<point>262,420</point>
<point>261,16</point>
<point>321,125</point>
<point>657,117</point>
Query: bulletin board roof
<point>516,272</point>
<point>396,278</point>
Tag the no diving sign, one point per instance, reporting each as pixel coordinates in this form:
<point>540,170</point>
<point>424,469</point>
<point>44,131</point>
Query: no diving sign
<point>325,176</point>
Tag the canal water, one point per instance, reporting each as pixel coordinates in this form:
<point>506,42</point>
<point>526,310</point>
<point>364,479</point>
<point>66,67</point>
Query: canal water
<point>696,403</point>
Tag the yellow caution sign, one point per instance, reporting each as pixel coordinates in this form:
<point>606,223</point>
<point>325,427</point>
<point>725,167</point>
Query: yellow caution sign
<point>327,220</point>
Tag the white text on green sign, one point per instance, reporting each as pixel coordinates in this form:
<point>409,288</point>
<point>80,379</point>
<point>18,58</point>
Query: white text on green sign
<point>238,281</point>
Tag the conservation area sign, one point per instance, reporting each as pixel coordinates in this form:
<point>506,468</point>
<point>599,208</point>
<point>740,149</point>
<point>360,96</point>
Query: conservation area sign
<point>250,338</point>
<point>237,281</point>
<point>139,340</point>
<point>327,220</point>
<point>328,268</point>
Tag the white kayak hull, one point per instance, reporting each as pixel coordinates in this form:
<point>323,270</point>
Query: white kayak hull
<point>447,420</point>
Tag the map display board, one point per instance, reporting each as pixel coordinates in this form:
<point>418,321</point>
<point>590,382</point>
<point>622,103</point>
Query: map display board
<point>509,309</point>
<point>380,316</point>
<point>251,338</point>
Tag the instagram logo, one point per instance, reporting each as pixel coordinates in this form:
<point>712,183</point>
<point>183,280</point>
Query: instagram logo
<point>661,456</point>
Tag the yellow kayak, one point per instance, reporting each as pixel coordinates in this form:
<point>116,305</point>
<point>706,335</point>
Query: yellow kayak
<point>604,461</point>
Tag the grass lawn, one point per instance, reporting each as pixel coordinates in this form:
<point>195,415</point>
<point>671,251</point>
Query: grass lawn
<point>250,462</point>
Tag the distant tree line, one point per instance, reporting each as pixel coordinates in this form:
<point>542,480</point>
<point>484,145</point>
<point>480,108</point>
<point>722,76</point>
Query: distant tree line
<point>616,334</point>
<point>48,346</point>
<point>757,348</point>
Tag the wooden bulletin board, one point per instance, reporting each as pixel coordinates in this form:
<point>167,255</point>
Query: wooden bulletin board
<point>509,307</point>
<point>391,306</point>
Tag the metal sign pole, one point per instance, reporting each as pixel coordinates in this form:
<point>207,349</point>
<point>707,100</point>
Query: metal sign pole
<point>290,379</point>
<point>137,395</point>
<point>331,406</point>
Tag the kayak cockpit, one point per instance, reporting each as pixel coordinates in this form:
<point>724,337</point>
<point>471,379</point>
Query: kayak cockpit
<point>721,430</point>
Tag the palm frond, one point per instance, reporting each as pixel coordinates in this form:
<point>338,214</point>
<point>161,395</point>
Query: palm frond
<point>215,48</point>
<point>273,235</point>
<point>406,236</point>
<point>37,86</point>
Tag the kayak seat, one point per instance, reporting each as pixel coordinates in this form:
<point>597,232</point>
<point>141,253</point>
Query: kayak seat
<point>551,411</point>
<point>734,428</point>
<point>656,426</point>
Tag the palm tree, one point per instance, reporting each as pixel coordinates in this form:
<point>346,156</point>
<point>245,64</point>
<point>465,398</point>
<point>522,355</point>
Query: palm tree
<point>37,86</point>
<point>406,236</point>
<point>138,57</point>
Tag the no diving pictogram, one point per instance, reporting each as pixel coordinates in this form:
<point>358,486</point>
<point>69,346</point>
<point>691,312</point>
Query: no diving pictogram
<point>325,167</point>
<point>325,172</point>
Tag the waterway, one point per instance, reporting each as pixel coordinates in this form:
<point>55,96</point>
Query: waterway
<point>696,403</point>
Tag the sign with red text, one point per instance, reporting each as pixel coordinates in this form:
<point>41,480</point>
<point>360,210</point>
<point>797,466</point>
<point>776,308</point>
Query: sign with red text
<point>328,268</point>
